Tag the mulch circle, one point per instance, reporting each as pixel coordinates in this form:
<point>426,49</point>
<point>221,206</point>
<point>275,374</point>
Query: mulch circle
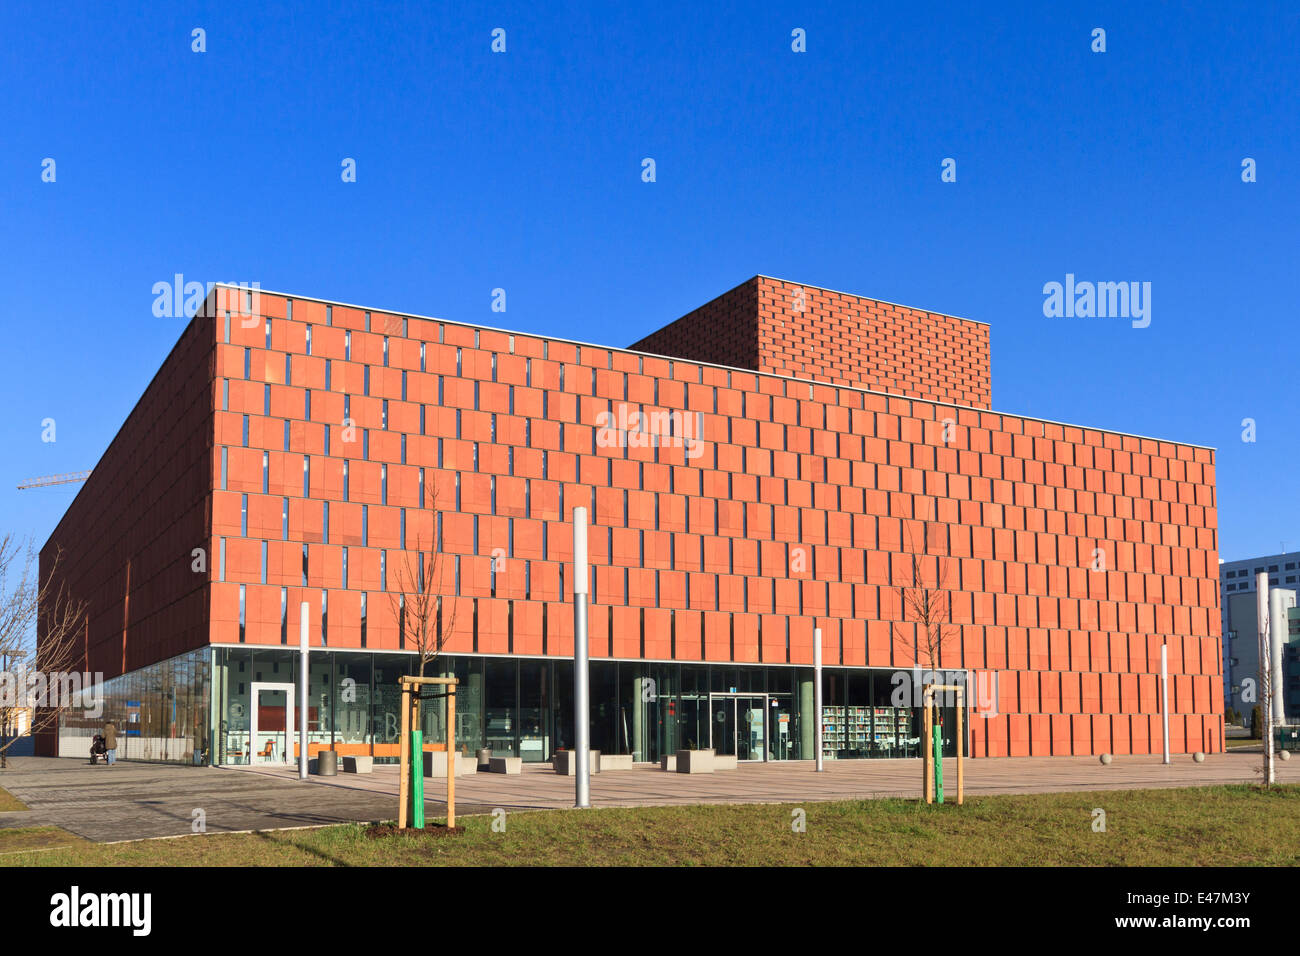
<point>433,830</point>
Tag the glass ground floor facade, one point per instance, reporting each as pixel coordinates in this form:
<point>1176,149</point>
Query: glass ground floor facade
<point>238,705</point>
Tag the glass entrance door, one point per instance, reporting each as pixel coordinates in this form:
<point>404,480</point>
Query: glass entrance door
<point>738,725</point>
<point>722,713</point>
<point>271,723</point>
<point>751,728</point>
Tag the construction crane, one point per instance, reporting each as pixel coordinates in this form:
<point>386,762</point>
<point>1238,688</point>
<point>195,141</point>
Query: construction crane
<point>47,480</point>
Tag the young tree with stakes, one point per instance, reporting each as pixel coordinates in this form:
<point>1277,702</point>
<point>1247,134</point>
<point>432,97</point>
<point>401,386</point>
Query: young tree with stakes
<point>425,617</point>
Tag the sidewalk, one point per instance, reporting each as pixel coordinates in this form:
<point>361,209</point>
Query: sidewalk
<point>538,787</point>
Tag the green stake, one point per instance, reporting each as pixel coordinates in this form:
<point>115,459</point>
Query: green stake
<point>938,762</point>
<point>417,778</point>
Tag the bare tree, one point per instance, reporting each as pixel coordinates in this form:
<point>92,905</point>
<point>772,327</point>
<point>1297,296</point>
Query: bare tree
<point>927,605</point>
<point>40,626</point>
<point>425,617</point>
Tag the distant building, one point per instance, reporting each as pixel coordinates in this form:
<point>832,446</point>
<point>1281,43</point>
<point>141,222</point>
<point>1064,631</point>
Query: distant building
<point>1241,623</point>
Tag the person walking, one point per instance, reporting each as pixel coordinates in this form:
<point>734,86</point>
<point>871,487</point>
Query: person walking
<point>110,743</point>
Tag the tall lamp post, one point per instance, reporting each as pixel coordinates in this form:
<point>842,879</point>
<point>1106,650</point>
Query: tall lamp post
<point>302,692</point>
<point>817,694</point>
<point>581,703</point>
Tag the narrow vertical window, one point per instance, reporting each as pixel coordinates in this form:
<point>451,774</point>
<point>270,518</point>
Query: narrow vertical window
<point>325,523</point>
<point>324,618</point>
<point>244,432</point>
<point>385,351</point>
<point>329,315</point>
<point>345,568</point>
<point>365,526</point>
<point>383,569</point>
<point>243,516</point>
<point>225,394</point>
<point>288,368</point>
<point>266,401</point>
<point>423,366</point>
<point>223,468</point>
<point>263,562</point>
<point>345,480</point>
<point>286,434</point>
<point>241,612</point>
<point>227,326</point>
<point>347,345</point>
<point>266,472</point>
<point>383,484</point>
<point>267,325</point>
<point>306,476</point>
<point>248,363</point>
<point>365,381</point>
<point>304,565</point>
<point>401,530</point>
<point>306,407</point>
<point>403,448</point>
<point>284,520</point>
<point>363,618</point>
<point>221,559</point>
<point>284,615</point>
<point>327,375</point>
<point>309,340</point>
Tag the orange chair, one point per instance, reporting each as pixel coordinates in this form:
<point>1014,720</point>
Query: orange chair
<point>267,750</point>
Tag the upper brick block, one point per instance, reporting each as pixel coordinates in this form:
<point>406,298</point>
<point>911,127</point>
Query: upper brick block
<point>783,328</point>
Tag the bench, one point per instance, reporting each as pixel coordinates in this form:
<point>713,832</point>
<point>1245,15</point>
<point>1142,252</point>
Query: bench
<point>435,764</point>
<point>506,765</point>
<point>695,761</point>
<point>615,762</point>
<point>358,764</point>
<point>724,761</point>
<point>565,763</point>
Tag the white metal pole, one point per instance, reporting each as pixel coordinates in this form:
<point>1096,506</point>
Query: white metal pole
<point>581,704</point>
<point>1164,692</point>
<point>1265,673</point>
<point>302,692</point>
<point>817,694</point>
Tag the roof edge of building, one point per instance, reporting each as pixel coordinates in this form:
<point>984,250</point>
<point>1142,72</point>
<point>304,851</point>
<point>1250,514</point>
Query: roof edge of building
<point>870,298</point>
<point>729,368</point>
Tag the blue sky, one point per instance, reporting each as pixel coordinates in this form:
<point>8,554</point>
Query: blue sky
<point>522,171</point>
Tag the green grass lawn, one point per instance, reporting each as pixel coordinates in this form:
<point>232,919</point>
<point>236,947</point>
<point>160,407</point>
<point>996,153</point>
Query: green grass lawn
<point>9,802</point>
<point>1206,826</point>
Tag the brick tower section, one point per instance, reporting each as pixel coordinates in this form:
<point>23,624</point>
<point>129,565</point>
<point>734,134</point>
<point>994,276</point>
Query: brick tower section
<point>783,328</point>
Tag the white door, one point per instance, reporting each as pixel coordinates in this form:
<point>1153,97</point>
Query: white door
<point>271,746</point>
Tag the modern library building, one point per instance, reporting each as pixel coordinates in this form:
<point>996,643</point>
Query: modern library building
<point>783,459</point>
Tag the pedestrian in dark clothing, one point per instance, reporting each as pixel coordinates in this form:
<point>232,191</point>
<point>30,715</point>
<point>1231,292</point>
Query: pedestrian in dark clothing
<point>110,743</point>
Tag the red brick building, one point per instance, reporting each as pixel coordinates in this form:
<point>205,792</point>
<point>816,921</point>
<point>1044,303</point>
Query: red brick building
<point>781,459</point>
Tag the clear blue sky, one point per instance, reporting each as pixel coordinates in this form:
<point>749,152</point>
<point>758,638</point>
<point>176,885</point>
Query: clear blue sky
<point>522,170</point>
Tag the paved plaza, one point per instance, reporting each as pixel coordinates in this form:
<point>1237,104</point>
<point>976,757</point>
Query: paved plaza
<point>138,800</point>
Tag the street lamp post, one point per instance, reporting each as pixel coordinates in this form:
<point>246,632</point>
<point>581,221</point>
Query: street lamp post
<point>581,702</point>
